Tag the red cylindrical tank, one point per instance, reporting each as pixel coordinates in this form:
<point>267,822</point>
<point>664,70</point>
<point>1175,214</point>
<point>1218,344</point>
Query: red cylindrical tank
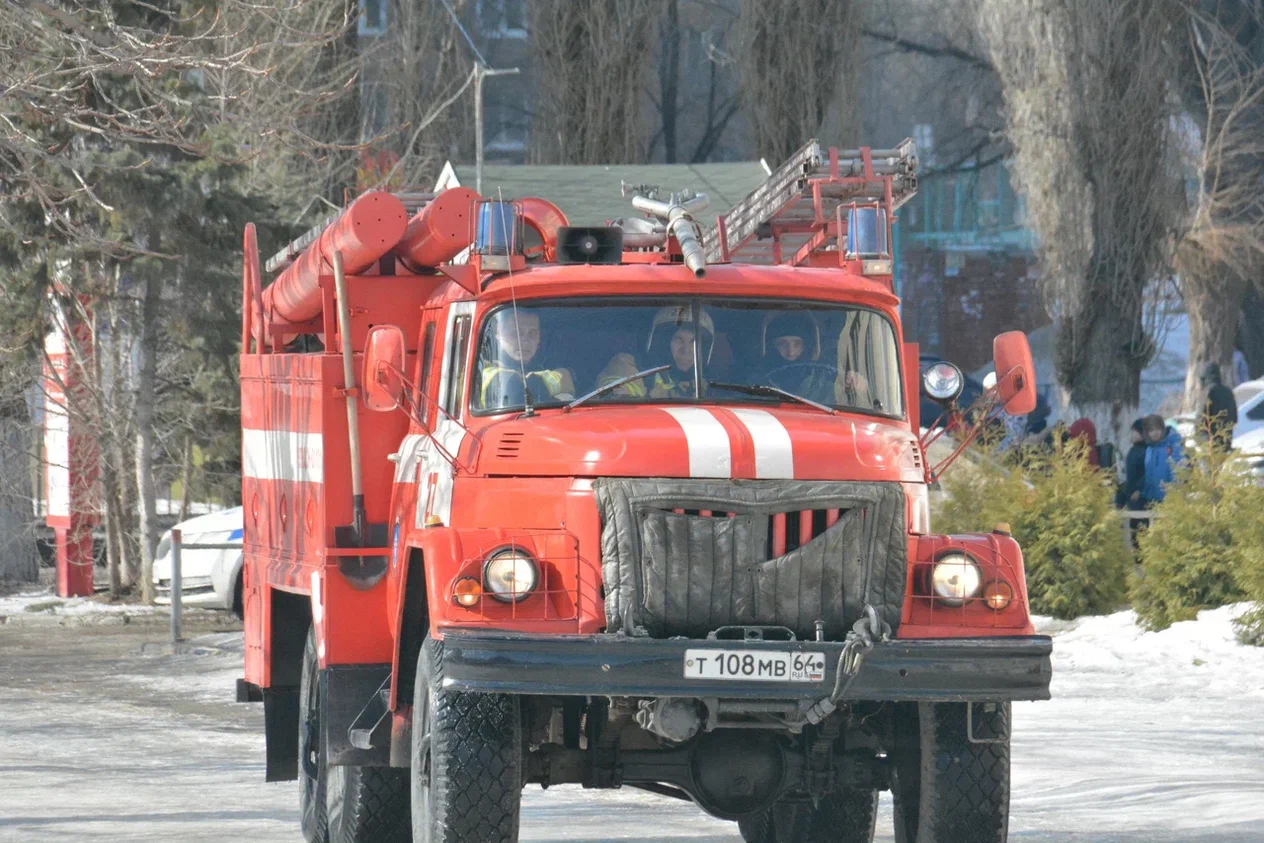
<point>440,230</point>
<point>369,228</point>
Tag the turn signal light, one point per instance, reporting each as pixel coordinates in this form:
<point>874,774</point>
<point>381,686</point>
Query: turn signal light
<point>467,591</point>
<point>998,595</point>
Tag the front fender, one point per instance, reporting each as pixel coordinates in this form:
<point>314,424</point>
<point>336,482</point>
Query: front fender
<point>998,556</point>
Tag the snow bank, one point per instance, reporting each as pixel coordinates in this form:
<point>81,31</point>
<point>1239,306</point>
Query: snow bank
<point>1110,654</point>
<point>1150,736</point>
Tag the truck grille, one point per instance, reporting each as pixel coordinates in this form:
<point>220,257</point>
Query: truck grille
<point>683,557</point>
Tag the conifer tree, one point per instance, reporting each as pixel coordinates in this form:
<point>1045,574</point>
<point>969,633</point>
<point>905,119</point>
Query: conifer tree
<point>1206,544</point>
<point>1059,508</point>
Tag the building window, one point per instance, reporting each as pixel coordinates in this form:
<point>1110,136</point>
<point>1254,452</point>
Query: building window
<point>502,18</point>
<point>372,17</point>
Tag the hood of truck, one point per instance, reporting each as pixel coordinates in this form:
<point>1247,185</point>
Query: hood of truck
<point>727,441</point>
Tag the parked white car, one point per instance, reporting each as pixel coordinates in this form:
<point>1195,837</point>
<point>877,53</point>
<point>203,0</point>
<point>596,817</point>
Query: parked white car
<point>208,578</point>
<point>1249,396</point>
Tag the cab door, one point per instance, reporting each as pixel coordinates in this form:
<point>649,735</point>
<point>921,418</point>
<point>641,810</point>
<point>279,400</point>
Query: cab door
<point>444,410</point>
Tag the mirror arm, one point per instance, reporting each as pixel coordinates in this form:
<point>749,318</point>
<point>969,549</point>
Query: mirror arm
<point>413,410</point>
<point>987,400</point>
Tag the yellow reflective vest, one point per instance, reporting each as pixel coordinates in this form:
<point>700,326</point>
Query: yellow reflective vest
<point>551,379</point>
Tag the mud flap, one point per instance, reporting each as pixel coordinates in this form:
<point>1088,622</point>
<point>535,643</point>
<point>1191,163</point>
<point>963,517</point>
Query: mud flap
<point>280,732</point>
<point>354,718</point>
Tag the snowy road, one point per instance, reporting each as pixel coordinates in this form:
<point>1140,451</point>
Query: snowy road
<point>1150,738</point>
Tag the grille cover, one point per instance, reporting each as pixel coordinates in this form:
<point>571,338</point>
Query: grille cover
<point>672,569</point>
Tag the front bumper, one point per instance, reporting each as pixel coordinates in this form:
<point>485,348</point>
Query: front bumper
<point>932,670</point>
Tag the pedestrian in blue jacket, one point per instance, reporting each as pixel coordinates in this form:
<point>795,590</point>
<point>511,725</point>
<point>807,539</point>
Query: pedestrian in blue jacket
<point>1164,451</point>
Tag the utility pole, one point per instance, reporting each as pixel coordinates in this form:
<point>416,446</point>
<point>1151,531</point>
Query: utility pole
<point>480,72</point>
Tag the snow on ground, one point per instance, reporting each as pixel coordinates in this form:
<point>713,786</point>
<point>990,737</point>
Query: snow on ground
<point>25,604</point>
<point>1150,738</point>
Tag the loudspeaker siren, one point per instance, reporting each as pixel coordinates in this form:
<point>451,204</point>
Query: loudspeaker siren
<point>589,244</point>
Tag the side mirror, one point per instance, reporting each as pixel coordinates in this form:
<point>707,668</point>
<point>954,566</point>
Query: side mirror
<point>383,362</point>
<point>1015,374</point>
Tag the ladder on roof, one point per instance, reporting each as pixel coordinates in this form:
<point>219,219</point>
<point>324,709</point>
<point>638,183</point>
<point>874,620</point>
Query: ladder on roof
<point>800,209</point>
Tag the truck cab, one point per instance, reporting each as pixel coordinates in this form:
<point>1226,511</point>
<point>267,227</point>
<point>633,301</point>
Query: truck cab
<point>632,512</point>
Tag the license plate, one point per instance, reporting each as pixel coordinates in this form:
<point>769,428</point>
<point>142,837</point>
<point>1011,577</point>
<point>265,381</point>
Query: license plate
<point>755,665</point>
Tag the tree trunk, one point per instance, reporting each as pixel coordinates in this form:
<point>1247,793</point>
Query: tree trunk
<point>669,79</point>
<point>151,292</point>
<point>125,489</point>
<point>1100,370</point>
<point>113,522</point>
<point>1214,310</point>
<point>1250,330</point>
<point>186,474</point>
<point>19,556</point>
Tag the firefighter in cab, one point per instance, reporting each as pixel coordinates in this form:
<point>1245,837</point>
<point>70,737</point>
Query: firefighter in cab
<point>671,341</point>
<point>511,369</point>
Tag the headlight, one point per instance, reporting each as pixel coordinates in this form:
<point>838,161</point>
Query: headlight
<point>943,381</point>
<point>510,574</point>
<point>955,579</point>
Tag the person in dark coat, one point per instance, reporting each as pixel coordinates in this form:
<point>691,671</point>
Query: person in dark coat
<point>1134,470</point>
<point>1219,411</point>
<point>1129,495</point>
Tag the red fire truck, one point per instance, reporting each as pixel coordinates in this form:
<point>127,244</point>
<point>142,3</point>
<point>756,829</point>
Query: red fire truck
<point>639,505</point>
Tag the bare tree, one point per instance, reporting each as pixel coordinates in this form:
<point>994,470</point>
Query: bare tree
<point>1222,250</point>
<point>1088,113</point>
<point>798,63</point>
<point>590,62</point>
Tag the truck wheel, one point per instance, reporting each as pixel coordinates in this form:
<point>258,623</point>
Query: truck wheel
<point>367,805</point>
<point>848,815</point>
<point>311,757</point>
<point>951,789</point>
<point>466,760</point>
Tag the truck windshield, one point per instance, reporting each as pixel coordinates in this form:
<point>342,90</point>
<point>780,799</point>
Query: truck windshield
<point>547,353</point>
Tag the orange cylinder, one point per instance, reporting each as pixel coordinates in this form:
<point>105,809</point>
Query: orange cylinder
<point>546,218</point>
<point>369,228</point>
<point>439,231</point>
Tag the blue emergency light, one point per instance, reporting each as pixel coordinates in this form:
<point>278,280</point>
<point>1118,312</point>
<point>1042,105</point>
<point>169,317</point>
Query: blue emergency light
<point>867,232</point>
<point>499,229</point>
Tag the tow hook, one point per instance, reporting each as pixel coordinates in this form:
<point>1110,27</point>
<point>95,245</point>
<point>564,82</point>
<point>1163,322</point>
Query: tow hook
<point>859,642</point>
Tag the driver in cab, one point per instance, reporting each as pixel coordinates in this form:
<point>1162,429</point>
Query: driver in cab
<point>508,371</point>
<point>792,349</point>
<point>671,341</point>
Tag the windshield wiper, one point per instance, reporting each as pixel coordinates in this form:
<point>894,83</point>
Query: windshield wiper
<point>763,389</point>
<point>602,390</point>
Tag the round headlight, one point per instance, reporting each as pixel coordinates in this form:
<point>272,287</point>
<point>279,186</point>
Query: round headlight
<point>955,579</point>
<point>943,381</point>
<point>509,575</point>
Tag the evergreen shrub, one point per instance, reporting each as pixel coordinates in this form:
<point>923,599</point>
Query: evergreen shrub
<point>1060,509</point>
<point>1205,548</point>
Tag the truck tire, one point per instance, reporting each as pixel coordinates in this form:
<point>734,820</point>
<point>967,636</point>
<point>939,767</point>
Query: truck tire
<point>311,756</point>
<point>466,760</point>
<point>367,805</point>
<point>849,815</point>
<point>952,789</point>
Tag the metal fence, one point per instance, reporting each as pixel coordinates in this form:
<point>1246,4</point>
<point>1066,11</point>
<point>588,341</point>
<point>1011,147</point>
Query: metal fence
<point>177,546</point>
